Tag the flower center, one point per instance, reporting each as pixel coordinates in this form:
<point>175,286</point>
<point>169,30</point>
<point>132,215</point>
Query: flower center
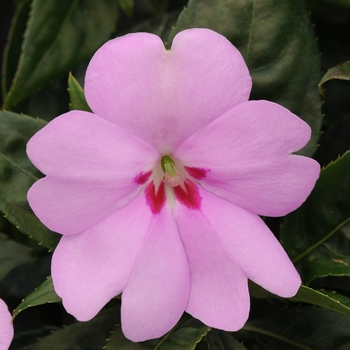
<point>174,184</point>
<point>171,176</point>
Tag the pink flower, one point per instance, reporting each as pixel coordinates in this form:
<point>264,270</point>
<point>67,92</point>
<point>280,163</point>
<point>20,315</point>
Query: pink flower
<point>157,194</point>
<point>6,326</point>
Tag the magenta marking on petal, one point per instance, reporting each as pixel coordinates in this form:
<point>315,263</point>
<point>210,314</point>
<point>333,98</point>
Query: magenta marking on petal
<point>197,173</point>
<point>142,178</point>
<point>155,200</point>
<point>189,196</point>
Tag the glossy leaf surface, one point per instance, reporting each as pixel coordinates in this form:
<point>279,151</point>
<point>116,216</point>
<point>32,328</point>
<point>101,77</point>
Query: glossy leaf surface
<point>60,34</point>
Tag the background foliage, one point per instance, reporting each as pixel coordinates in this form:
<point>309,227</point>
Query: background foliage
<point>281,41</point>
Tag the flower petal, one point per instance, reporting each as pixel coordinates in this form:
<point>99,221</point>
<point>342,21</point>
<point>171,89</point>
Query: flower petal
<point>82,146</point>
<point>247,160</point>
<point>219,293</point>
<point>254,247</point>
<point>71,207</point>
<point>178,91</point>
<point>157,292</point>
<point>93,167</point>
<point>6,326</point>
<point>90,268</point>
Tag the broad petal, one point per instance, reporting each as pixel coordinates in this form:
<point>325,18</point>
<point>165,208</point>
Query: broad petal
<point>90,268</point>
<point>6,326</point>
<point>82,146</point>
<point>93,169</point>
<point>246,157</point>
<point>219,294</point>
<point>157,291</point>
<point>71,207</point>
<point>166,95</point>
<point>254,247</point>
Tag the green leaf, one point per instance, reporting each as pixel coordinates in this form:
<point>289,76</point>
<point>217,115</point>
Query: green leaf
<point>12,49</point>
<point>307,328</point>
<point>158,6</point>
<point>24,338</point>
<point>341,71</point>
<point>60,35</point>
<point>76,94</point>
<point>127,6</point>
<point>89,335</point>
<point>184,336</point>
<point>44,294</point>
<point>12,254</point>
<point>17,174</point>
<point>328,300</point>
<point>219,340</point>
<point>160,25</point>
<point>316,235</point>
<point>117,341</point>
<point>277,41</point>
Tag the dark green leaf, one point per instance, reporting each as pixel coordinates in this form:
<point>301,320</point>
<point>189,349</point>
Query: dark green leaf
<point>308,328</point>
<point>127,6</point>
<point>185,337</point>
<point>13,46</point>
<point>89,335</point>
<point>12,254</point>
<point>44,294</point>
<point>158,6</point>
<point>341,71</point>
<point>182,337</point>
<point>47,103</point>
<point>76,94</point>
<point>24,338</point>
<point>219,340</point>
<point>160,25</point>
<point>328,300</point>
<point>316,235</point>
<point>117,341</point>
<point>60,34</point>
<point>277,41</point>
<point>17,174</point>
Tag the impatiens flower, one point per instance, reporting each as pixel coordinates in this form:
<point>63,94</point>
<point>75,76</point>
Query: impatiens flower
<point>6,326</point>
<point>158,192</point>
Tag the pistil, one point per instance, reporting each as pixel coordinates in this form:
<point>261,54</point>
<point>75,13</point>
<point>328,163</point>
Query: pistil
<point>171,176</point>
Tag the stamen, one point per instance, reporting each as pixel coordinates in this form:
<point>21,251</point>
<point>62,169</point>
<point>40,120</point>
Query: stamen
<point>171,176</point>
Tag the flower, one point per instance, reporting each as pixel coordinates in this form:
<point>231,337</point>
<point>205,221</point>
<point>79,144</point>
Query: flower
<point>6,326</point>
<point>157,192</point>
